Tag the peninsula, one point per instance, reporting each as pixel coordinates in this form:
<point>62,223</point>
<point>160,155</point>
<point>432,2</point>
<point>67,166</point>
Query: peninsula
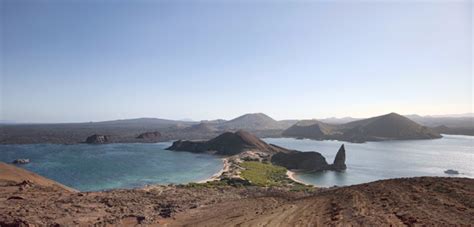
<point>242,146</point>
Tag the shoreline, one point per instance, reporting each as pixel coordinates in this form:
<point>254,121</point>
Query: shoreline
<point>290,174</point>
<point>216,176</point>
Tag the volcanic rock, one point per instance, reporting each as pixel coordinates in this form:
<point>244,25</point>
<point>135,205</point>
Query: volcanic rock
<point>340,159</point>
<point>149,135</point>
<point>228,143</point>
<point>97,139</point>
<point>308,161</point>
<point>451,172</point>
<point>21,161</point>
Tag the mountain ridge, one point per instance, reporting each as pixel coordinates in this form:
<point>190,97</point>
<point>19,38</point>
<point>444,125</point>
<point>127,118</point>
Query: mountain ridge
<point>390,126</point>
<point>127,130</point>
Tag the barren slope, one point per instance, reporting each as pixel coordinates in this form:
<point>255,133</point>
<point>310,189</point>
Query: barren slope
<point>398,202</point>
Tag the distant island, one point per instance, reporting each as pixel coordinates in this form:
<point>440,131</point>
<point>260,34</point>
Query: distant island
<point>150,130</point>
<point>387,127</point>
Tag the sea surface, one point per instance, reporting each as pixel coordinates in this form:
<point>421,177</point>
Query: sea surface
<point>99,167</point>
<point>373,161</point>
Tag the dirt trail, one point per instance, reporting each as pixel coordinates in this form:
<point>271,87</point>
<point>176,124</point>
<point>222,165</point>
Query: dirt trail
<point>399,202</point>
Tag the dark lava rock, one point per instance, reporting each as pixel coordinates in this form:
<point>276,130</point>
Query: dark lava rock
<point>308,161</point>
<point>166,210</point>
<point>340,160</point>
<point>21,161</point>
<point>97,139</point>
<point>451,172</point>
<point>149,135</point>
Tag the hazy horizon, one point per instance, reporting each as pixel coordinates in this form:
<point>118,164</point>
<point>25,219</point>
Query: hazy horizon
<point>198,120</point>
<point>81,61</point>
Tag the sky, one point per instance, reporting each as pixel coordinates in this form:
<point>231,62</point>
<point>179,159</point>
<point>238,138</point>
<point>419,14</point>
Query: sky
<point>77,61</point>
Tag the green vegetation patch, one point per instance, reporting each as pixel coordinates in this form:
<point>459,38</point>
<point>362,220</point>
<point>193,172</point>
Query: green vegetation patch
<point>219,183</point>
<point>264,174</point>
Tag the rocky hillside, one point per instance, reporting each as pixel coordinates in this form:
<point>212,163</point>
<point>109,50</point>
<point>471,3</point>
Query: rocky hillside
<point>310,161</point>
<point>252,122</point>
<point>455,121</point>
<point>424,201</point>
<point>386,127</point>
<point>203,127</point>
<point>150,135</point>
<point>228,143</point>
<point>311,129</point>
<point>12,175</point>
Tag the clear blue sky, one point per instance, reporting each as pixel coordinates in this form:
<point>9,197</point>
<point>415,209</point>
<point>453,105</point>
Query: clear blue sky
<point>73,61</point>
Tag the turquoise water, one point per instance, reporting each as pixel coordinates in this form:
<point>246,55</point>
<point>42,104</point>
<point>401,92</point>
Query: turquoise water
<point>389,159</point>
<point>99,167</point>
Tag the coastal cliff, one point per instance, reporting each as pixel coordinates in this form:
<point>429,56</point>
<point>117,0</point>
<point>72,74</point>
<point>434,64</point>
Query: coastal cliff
<point>310,161</point>
<point>228,143</point>
<point>97,139</point>
<point>340,159</point>
<point>149,135</point>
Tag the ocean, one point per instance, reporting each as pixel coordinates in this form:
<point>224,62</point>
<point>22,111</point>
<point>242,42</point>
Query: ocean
<point>373,161</point>
<point>109,166</point>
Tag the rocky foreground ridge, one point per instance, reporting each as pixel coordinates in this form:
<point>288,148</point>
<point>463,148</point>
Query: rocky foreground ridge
<point>27,200</point>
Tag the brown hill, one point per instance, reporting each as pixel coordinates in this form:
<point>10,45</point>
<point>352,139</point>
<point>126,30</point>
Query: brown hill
<point>252,122</point>
<point>203,127</point>
<point>386,127</point>
<point>425,201</point>
<point>228,143</point>
<point>468,131</point>
<point>12,175</point>
<point>311,129</point>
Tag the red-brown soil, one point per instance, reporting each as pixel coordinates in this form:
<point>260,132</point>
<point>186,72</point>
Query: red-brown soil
<point>28,199</point>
